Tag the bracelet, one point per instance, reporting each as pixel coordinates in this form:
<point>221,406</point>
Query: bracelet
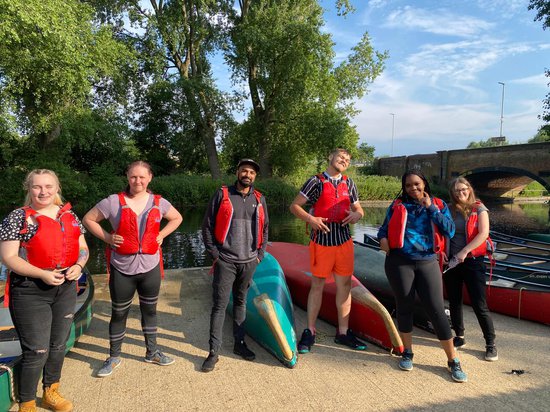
<point>81,267</point>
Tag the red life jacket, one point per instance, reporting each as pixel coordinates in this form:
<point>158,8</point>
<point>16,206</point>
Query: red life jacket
<point>398,222</point>
<point>225,215</point>
<point>128,229</point>
<point>55,243</point>
<point>487,247</point>
<point>334,202</point>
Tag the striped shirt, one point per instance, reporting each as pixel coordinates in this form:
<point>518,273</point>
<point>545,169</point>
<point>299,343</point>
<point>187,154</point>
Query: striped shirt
<point>338,234</point>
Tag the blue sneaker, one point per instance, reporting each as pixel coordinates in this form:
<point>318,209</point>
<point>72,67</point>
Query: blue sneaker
<point>108,366</point>
<point>306,341</point>
<point>159,358</point>
<point>406,362</point>
<point>457,373</point>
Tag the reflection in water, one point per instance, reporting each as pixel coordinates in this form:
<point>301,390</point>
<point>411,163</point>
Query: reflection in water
<point>184,247</point>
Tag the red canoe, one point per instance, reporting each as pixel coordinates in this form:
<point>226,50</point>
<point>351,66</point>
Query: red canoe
<point>369,319</point>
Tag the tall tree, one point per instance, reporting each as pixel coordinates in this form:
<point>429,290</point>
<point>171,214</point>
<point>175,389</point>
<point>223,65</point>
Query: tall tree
<point>51,55</point>
<point>177,37</point>
<point>279,50</point>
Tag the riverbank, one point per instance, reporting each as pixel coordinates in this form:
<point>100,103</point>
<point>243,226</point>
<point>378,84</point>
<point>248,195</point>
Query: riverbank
<point>331,378</point>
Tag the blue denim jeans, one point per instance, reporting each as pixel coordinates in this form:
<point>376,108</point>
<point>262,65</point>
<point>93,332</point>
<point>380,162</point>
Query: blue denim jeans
<point>42,316</point>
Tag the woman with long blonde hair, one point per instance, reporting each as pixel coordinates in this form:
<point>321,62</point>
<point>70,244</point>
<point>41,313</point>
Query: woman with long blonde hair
<point>468,248</point>
<point>43,246</point>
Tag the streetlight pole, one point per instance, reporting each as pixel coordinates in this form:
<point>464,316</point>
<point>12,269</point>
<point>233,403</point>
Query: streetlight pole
<point>501,108</point>
<point>392,131</point>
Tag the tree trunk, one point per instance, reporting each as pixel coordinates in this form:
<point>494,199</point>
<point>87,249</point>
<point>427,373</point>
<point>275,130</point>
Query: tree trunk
<point>200,105</point>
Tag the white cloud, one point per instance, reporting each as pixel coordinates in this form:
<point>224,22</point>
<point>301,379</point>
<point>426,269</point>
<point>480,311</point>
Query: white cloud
<point>537,80</point>
<point>439,21</point>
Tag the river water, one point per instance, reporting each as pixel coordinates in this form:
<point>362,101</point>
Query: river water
<point>184,247</point>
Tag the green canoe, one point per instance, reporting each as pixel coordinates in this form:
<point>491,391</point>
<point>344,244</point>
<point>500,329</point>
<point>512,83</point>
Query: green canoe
<point>10,350</point>
<point>269,312</point>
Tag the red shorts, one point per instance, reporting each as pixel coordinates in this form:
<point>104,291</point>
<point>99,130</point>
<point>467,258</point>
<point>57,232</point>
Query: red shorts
<point>326,260</point>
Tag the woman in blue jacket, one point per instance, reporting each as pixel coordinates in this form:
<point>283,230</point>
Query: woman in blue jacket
<point>413,236</point>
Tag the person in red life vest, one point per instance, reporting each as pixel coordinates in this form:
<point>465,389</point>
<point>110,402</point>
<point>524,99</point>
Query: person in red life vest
<point>335,206</point>
<point>469,247</point>
<point>235,232</point>
<point>414,235</point>
<point>134,258</point>
<point>43,246</point>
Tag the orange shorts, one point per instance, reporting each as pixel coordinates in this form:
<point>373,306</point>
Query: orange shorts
<point>326,260</point>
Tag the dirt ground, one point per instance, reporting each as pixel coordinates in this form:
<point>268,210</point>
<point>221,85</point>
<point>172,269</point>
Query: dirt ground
<point>330,378</point>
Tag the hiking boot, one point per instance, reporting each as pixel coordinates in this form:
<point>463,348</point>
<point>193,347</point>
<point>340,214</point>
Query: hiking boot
<point>109,365</point>
<point>29,406</point>
<point>459,342</point>
<point>406,361</point>
<point>306,341</point>
<point>52,399</point>
<point>491,353</point>
<point>242,350</point>
<point>457,373</point>
<point>350,341</point>
<point>159,358</point>
<point>210,362</point>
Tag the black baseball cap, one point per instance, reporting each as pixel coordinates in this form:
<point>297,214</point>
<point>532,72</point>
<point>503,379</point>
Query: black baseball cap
<point>250,162</point>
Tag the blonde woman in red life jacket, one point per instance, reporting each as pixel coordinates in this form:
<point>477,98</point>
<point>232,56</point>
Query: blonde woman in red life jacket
<point>135,261</point>
<point>468,248</point>
<point>43,246</point>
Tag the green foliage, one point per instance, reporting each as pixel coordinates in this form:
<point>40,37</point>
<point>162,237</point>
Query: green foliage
<point>543,135</point>
<point>533,189</point>
<point>50,57</point>
<point>185,190</point>
<point>299,99</point>
<point>92,139</point>
<point>377,187</point>
<point>490,142</point>
<point>543,11</point>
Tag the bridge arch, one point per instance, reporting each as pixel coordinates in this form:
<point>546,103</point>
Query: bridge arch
<point>501,180</point>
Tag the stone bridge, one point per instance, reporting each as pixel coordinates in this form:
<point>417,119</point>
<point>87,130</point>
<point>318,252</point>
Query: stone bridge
<point>493,171</point>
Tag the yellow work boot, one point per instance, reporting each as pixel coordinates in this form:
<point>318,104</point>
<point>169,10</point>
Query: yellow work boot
<point>29,406</point>
<point>53,400</point>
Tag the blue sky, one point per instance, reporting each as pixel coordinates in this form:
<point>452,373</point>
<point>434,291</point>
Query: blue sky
<point>441,79</point>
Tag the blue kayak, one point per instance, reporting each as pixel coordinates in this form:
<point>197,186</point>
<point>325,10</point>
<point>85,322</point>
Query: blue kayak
<point>269,312</point>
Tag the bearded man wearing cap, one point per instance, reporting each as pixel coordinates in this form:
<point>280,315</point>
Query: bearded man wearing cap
<point>235,231</point>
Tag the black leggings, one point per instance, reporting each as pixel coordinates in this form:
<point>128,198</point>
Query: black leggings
<point>123,288</point>
<point>471,273</point>
<point>408,277</point>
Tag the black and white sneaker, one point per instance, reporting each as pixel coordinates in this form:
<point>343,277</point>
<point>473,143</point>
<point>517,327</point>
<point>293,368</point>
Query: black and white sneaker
<point>491,353</point>
<point>459,342</point>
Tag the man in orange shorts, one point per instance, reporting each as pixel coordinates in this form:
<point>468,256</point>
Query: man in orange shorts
<point>335,206</point>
